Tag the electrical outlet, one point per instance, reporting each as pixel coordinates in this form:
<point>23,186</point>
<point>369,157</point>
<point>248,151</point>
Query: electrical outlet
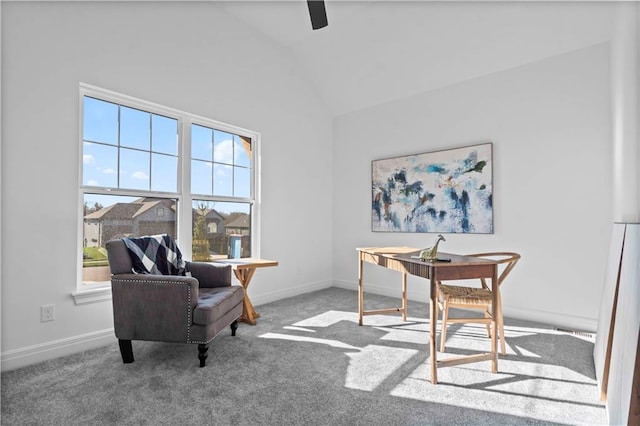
<point>47,313</point>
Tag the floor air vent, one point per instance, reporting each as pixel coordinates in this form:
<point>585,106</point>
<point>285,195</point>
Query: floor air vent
<point>586,334</point>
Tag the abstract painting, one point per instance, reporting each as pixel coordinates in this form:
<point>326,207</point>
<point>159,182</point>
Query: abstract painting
<point>444,191</point>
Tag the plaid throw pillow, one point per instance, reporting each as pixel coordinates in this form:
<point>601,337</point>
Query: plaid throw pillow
<point>156,254</point>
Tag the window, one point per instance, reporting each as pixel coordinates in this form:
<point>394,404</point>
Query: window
<point>215,222</point>
<point>127,148</point>
<point>148,169</point>
<point>220,163</point>
<point>220,170</point>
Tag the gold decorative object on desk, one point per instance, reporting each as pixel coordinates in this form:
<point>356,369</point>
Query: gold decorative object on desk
<point>431,252</point>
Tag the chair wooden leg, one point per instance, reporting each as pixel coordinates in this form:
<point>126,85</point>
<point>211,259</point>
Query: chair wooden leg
<point>445,317</point>
<point>500,320</point>
<point>437,304</point>
<point>202,353</point>
<point>487,315</point>
<point>501,335</point>
<point>234,327</point>
<point>503,348</point>
<point>126,350</point>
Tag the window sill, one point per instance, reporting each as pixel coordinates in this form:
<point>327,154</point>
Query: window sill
<point>93,295</point>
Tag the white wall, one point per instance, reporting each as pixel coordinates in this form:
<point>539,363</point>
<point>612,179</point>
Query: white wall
<point>550,126</point>
<point>188,56</point>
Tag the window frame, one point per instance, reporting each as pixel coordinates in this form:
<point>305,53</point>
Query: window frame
<point>184,198</point>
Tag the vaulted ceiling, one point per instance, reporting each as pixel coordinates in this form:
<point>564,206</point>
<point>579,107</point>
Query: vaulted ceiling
<point>374,52</point>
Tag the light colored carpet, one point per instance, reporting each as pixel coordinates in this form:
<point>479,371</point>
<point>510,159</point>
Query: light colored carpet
<point>308,362</point>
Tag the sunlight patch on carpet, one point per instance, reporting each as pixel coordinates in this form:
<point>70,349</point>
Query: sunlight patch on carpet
<point>290,327</point>
<point>535,391</point>
<point>329,318</point>
<point>420,337</point>
<point>329,342</point>
<point>373,365</point>
<point>533,381</point>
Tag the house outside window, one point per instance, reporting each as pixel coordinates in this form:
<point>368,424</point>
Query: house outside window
<point>148,169</point>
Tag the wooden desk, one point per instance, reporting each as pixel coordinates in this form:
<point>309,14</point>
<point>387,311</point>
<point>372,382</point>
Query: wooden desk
<point>460,268</point>
<point>244,269</point>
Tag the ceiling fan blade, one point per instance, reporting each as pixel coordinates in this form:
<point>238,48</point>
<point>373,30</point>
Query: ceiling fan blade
<point>318,14</point>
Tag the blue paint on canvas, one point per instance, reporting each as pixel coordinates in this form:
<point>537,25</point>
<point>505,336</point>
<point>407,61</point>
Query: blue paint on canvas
<point>444,191</point>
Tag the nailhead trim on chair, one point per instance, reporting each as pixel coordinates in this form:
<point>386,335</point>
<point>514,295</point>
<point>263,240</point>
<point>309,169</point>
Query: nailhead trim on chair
<point>189,321</point>
<point>210,340</point>
<point>202,342</point>
<point>189,311</point>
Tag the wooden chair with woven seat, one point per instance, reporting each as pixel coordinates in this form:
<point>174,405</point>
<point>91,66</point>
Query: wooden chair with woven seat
<point>476,298</point>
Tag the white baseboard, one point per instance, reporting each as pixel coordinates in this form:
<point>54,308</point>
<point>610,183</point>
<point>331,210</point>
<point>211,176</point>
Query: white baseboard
<point>569,322</point>
<point>261,298</point>
<point>10,360</point>
<point>543,317</point>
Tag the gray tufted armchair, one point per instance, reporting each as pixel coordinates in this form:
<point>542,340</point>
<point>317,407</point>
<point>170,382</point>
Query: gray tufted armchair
<point>171,308</point>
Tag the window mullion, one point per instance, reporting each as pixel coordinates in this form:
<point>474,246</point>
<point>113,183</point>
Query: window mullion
<point>184,181</point>
<point>119,147</point>
<point>213,162</point>
<point>150,151</point>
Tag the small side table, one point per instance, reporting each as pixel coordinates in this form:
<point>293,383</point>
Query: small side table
<point>243,269</point>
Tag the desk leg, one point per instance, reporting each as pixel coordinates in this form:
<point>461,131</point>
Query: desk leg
<point>404,296</point>
<point>249,314</point>
<point>432,327</point>
<point>495,307</point>
<point>360,291</point>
